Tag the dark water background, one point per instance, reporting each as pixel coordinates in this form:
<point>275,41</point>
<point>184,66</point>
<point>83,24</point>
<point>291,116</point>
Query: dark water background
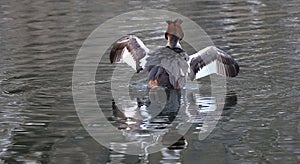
<point>39,41</point>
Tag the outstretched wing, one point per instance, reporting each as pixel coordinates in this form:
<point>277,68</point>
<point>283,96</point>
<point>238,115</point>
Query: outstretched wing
<point>131,50</point>
<point>212,60</point>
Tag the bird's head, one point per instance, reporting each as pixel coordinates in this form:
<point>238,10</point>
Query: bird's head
<point>174,32</point>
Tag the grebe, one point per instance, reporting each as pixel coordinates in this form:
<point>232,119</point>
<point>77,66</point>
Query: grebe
<point>169,66</point>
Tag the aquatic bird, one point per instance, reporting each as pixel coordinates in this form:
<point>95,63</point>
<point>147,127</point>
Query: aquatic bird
<point>170,65</point>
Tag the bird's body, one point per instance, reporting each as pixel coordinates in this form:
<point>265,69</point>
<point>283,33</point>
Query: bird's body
<point>167,70</point>
<point>170,66</point>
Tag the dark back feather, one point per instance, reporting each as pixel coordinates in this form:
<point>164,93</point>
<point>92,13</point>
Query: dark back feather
<point>168,66</point>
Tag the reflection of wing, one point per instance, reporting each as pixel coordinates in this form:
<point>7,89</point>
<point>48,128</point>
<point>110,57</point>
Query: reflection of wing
<point>131,50</point>
<point>212,60</point>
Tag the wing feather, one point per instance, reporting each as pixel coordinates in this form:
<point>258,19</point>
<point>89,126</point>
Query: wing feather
<point>212,60</point>
<point>131,50</point>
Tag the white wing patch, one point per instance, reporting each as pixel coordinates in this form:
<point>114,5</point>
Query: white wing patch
<point>142,44</point>
<point>207,70</point>
<point>127,58</point>
<point>143,61</point>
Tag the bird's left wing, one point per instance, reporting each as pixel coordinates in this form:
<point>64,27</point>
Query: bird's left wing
<point>212,60</point>
<point>131,50</point>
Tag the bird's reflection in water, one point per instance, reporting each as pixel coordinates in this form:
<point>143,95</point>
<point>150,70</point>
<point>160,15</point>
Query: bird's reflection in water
<point>152,113</point>
<point>159,112</point>
<point>166,115</point>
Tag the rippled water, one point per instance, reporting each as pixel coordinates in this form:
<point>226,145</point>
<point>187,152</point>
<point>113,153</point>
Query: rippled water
<point>39,41</point>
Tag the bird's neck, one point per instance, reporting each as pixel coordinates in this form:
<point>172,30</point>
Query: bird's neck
<point>173,44</point>
<point>173,41</point>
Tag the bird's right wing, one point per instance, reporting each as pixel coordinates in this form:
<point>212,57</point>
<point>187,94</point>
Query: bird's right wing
<point>131,50</point>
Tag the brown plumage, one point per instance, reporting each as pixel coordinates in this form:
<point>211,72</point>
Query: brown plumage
<point>174,28</point>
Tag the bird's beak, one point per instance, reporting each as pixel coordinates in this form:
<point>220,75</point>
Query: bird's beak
<point>172,40</point>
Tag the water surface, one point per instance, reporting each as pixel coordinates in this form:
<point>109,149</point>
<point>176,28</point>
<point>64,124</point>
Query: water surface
<point>39,41</point>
